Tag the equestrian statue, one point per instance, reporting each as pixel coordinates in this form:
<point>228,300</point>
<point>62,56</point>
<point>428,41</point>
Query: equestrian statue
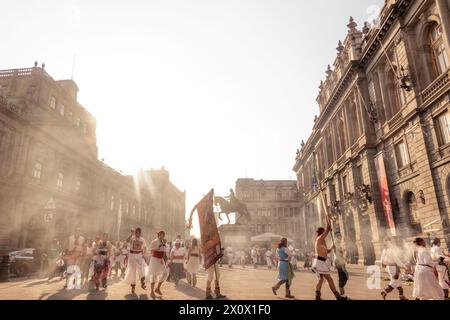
<point>234,205</point>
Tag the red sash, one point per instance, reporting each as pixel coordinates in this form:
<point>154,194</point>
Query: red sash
<point>158,254</point>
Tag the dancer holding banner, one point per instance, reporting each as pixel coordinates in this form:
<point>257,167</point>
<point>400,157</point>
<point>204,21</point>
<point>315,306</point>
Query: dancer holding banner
<point>210,242</point>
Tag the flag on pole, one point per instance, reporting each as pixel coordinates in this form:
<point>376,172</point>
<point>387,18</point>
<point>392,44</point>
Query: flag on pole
<point>210,239</point>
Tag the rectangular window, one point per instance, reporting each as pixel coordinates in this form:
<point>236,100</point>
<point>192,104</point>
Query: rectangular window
<point>401,154</point>
<point>442,58</point>
<point>443,128</point>
<point>37,170</point>
<point>345,184</point>
<point>60,181</point>
<point>112,203</point>
<point>359,176</point>
<point>78,185</point>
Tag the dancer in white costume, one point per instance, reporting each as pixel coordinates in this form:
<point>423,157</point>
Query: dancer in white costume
<point>269,257</point>
<point>391,260</point>
<point>426,284</point>
<point>176,262</point>
<point>136,262</point>
<point>157,268</point>
<point>193,262</point>
<point>440,261</point>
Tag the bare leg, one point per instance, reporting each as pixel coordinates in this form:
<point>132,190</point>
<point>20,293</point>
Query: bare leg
<point>208,290</point>
<point>158,288</point>
<point>319,288</point>
<point>330,282</point>
<point>319,283</point>
<point>152,288</point>
<point>333,287</point>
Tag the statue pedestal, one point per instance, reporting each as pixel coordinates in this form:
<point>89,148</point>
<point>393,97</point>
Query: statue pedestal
<point>235,235</point>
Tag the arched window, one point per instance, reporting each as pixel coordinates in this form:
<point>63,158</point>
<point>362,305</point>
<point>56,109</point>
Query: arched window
<point>411,207</point>
<point>437,51</point>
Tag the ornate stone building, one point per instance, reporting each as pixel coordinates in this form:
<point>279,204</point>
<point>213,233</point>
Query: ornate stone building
<point>274,207</point>
<point>48,155</point>
<point>379,152</point>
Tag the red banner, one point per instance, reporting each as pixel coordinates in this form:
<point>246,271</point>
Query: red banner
<point>384,193</point>
<point>212,248</point>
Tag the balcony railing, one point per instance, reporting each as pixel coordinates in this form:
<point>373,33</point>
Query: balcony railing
<point>15,72</point>
<point>24,72</point>
<point>436,86</point>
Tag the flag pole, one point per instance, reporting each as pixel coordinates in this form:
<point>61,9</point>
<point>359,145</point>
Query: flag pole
<point>323,201</point>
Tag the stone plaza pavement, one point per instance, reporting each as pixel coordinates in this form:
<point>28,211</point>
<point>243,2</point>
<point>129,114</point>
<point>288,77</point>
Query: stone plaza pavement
<point>237,283</point>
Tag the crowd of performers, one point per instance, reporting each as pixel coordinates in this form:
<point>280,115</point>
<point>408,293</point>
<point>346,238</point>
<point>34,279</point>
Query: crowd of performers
<point>427,267</point>
<point>261,257</point>
<point>93,262</point>
<point>86,261</point>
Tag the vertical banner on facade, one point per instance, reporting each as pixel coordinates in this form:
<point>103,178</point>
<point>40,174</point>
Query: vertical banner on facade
<point>210,239</point>
<point>384,193</point>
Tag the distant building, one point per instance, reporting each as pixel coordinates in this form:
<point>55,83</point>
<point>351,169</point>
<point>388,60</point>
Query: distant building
<point>274,207</point>
<point>49,157</point>
<point>168,201</point>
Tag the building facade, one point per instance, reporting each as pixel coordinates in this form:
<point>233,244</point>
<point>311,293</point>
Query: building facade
<point>378,158</point>
<point>49,155</point>
<point>274,207</point>
<point>168,201</point>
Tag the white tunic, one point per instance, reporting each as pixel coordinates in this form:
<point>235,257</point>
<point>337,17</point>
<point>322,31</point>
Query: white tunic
<point>426,285</point>
<point>390,258</point>
<point>157,266</point>
<point>180,252</point>
<point>136,263</point>
<point>193,263</point>
<point>436,253</point>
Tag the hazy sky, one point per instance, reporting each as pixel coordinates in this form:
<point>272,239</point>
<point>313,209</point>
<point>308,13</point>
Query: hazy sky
<point>213,90</point>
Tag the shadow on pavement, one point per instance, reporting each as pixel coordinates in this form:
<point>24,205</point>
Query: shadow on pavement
<point>63,294</point>
<point>192,292</point>
<point>136,297</point>
<point>36,283</point>
<point>97,295</point>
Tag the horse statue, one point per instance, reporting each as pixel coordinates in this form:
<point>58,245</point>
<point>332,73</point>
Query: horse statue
<point>227,208</point>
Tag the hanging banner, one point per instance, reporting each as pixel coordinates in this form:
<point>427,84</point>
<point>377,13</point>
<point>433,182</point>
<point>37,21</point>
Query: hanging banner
<point>210,239</point>
<point>384,193</point>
